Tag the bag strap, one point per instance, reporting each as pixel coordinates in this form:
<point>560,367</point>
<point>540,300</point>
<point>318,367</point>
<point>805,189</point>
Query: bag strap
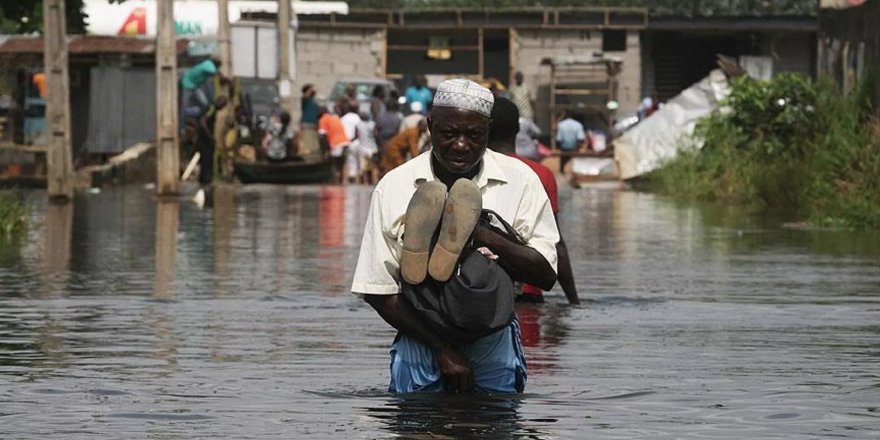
<point>510,233</point>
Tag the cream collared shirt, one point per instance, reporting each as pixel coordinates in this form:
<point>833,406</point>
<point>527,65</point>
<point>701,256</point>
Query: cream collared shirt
<point>509,188</point>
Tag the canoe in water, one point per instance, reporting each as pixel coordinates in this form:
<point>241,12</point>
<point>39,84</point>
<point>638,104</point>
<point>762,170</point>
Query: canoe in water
<point>283,172</point>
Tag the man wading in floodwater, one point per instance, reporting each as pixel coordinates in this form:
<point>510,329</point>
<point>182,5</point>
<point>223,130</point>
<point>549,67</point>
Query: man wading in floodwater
<point>407,206</point>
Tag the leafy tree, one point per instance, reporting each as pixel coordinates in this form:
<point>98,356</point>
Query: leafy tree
<point>26,16</point>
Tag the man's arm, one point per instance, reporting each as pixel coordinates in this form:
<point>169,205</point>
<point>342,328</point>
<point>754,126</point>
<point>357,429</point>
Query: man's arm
<point>203,121</point>
<point>400,314</point>
<point>583,143</point>
<point>376,278</point>
<point>530,266</point>
<point>566,277</point>
<point>533,130</point>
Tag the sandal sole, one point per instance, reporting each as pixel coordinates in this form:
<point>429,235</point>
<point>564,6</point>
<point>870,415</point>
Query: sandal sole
<point>460,216</point>
<point>422,217</point>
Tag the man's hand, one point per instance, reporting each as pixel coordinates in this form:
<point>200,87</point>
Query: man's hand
<point>528,265</point>
<point>457,373</point>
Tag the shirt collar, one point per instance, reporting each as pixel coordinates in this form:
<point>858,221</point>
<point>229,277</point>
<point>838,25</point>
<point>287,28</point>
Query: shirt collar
<point>490,170</point>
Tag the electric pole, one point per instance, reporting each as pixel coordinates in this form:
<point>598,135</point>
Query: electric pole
<point>224,41</point>
<point>167,148</point>
<point>284,54</point>
<point>224,38</point>
<point>59,154</point>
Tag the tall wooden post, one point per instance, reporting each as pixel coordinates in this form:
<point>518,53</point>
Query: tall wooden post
<point>224,41</point>
<point>59,158</point>
<point>284,54</point>
<point>224,38</point>
<point>167,154</point>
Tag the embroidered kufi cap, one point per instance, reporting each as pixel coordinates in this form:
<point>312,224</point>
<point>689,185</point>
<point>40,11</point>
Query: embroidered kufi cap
<point>465,94</point>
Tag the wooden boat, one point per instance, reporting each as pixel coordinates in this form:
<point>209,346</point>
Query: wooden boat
<point>291,172</point>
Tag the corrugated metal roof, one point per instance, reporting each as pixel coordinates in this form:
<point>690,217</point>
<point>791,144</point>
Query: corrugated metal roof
<point>88,44</point>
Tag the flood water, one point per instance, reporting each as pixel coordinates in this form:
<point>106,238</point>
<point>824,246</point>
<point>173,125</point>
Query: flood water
<point>121,317</point>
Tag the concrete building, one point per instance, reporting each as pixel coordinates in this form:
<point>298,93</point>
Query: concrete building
<point>112,92</point>
<point>662,53</point>
<point>849,43</point>
<point>483,43</point>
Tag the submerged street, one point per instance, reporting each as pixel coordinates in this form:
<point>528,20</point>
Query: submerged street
<point>142,319</point>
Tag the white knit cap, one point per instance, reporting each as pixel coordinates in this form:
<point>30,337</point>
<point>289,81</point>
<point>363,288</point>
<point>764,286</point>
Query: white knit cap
<point>466,94</point>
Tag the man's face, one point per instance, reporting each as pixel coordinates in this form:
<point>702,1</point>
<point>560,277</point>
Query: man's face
<point>459,138</point>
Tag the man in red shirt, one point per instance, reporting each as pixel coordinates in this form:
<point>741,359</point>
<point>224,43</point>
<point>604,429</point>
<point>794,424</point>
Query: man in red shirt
<point>502,139</point>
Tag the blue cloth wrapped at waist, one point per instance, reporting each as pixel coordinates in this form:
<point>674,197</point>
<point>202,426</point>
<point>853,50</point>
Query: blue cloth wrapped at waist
<point>497,360</point>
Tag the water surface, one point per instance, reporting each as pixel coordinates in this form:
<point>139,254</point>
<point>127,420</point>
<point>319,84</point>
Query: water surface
<point>122,317</point>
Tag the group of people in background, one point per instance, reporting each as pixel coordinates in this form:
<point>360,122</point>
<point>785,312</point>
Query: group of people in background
<point>364,145</point>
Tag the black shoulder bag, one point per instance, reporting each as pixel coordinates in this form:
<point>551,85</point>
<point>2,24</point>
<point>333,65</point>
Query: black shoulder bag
<point>479,298</point>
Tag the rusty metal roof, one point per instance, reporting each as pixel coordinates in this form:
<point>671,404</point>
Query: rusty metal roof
<point>88,44</point>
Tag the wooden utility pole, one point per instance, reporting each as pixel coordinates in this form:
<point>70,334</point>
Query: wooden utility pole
<point>59,156</point>
<point>224,41</point>
<point>224,38</point>
<point>167,149</point>
<point>284,54</point>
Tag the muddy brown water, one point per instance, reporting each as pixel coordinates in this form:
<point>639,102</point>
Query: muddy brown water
<point>125,318</point>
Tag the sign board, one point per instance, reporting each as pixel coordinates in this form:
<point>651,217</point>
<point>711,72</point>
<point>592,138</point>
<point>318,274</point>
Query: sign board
<point>192,18</point>
<point>196,49</point>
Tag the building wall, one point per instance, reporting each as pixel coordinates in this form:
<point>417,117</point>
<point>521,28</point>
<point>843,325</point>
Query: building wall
<point>121,108</point>
<point>324,56</point>
<point>792,52</point>
<point>668,68</point>
<point>849,46</point>
<point>531,46</point>
<point>327,55</point>
<point>629,90</point>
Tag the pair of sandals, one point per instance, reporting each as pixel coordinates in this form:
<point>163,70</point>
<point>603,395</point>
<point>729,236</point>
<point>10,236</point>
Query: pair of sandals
<point>456,212</point>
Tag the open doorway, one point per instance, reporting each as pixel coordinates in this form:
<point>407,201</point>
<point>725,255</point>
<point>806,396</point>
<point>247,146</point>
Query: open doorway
<point>496,55</point>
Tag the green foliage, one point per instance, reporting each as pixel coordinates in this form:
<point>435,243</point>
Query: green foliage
<point>787,143</point>
<point>13,216</point>
<point>26,16</point>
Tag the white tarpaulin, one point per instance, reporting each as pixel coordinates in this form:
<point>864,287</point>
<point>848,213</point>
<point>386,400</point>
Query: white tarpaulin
<point>658,138</point>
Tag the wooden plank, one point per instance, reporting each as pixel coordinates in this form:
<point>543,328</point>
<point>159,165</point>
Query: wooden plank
<point>383,59</point>
<point>480,54</point>
<point>425,48</point>
<point>553,107</point>
<point>582,92</point>
<point>24,148</point>
<point>512,46</point>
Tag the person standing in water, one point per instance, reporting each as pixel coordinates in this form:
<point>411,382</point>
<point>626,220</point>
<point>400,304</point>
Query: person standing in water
<point>397,237</point>
<point>502,139</point>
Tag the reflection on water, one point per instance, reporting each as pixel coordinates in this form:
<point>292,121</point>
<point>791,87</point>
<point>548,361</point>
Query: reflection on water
<point>127,317</point>
<point>167,213</point>
<point>452,416</point>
